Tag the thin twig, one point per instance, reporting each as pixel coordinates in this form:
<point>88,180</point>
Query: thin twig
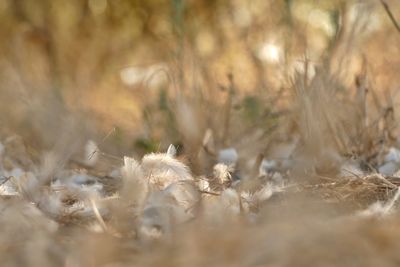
<point>390,14</point>
<point>391,203</point>
<point>98,215</point>
<point>5,180</point>
<point>210,193</point>
<point>228,108</point>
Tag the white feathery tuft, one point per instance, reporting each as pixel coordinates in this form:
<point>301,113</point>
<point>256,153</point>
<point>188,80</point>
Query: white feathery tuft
<point>171,151</point>
<point>222,173</point>
<point>162,170</point>
<point>228,156</point>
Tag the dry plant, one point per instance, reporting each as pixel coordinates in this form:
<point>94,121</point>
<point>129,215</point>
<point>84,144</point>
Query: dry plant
<point>193,133</point>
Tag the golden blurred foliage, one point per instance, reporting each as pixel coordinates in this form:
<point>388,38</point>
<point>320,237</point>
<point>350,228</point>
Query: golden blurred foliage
<point>117,61</point>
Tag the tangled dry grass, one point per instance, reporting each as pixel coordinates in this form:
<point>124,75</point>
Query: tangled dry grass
<point>58,211</point>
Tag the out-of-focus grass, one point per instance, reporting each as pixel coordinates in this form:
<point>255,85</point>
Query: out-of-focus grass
<point>131,64</point>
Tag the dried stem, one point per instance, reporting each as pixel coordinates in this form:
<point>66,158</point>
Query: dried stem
<point>390,14</point>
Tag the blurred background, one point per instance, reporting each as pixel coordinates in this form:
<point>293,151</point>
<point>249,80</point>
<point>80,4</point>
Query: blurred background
<point>137,75</point>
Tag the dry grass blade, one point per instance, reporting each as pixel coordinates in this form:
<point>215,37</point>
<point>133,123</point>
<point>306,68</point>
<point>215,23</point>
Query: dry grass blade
<point>390,14</point>
<point>98,215</point>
